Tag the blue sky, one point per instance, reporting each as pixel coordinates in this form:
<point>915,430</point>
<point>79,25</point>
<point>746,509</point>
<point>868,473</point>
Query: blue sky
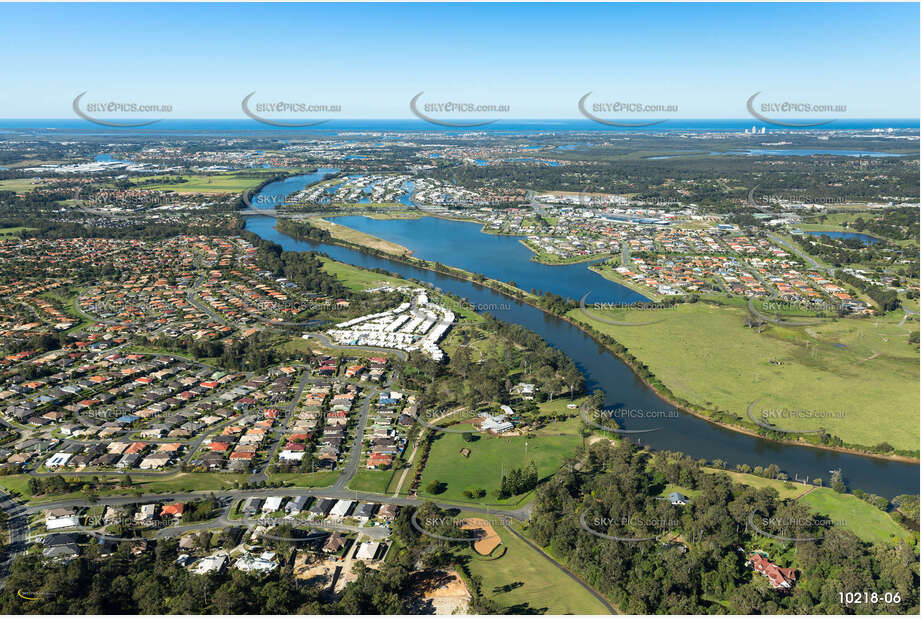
<point>539,59</point>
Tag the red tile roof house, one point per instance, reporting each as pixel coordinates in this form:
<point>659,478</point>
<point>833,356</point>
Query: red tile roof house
<point>378,460</point>
<point>781,578</point>
<point>172,509</point>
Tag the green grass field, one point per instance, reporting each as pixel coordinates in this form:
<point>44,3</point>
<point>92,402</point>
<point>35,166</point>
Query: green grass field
<point>489,457</point>
<point>847,511</point>
<point>181,481</point>
<point>375,481</point>
<point>534,584</point>
<point>861,369</point>
<point>358,278</point>
<point>320,478</point>
<point>19,185</point>
<point>865,520</point>
<point>560,405</point>
<point>215,183</point>
<point>13,231</point>
<point>347,234</point>
<point>784,489</point>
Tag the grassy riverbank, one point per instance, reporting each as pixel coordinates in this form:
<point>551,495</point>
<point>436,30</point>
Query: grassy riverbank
<point>707,355</point>
<point>347,234</point>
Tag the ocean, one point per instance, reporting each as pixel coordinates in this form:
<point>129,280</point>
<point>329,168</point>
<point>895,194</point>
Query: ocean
<point>341,126</point>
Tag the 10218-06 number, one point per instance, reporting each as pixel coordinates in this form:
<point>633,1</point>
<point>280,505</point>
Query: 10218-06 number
<point>857,598</point>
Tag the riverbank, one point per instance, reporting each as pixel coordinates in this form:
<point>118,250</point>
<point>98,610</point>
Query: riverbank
<point>611,275</point>
<point>347,234</point>
<point>672,333</point>
<point>533,300</point>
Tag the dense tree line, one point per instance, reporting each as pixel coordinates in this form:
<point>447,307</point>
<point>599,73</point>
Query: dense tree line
<point>253,353</point>
<point>700,570</point>
<point>519,481</point>
<point>610,168</point>
<point>303,268</point>
<point>886,299</point>
<point>895,223</point>
<point>303,230</point>
<point>469,380</point>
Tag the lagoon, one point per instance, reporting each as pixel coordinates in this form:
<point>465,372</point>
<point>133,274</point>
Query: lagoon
<point>865,238</point>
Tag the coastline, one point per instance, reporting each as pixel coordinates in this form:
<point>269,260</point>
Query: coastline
<point>530,299</point>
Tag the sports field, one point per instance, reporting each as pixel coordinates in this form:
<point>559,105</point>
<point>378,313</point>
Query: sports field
<point>857,378</point>
<point>489,458</point>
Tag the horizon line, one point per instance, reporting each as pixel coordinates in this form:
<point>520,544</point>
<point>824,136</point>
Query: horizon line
<point>411,119</point>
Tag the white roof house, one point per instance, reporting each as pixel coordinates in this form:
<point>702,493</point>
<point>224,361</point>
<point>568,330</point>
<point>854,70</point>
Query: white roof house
<point>57,523</point>
<point>252,563</point>
<point>367,551</point>
<point>209,564</point>
<point>272,504</point>
<point>496,424</point>
<point>57,460</point>
<point>341,509</point>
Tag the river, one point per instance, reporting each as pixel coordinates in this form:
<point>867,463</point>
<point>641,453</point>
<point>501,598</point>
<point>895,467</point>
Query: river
<point>676,430</point>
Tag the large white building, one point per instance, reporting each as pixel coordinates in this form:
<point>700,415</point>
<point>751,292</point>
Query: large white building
<point>416,325</point>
